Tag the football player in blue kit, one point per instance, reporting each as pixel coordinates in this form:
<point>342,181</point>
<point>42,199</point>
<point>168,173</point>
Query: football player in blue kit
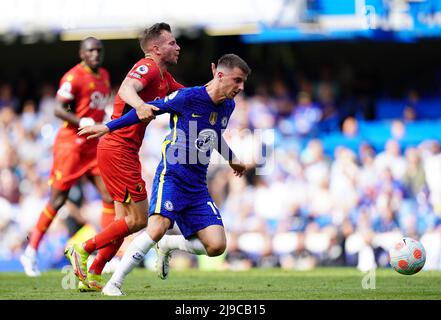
<point>198,116</point>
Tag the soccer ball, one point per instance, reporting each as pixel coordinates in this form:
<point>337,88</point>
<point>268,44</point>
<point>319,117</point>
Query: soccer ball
<point>407,256</point>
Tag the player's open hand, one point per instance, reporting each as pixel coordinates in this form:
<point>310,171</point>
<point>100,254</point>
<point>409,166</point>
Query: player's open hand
<point>145,113</point>
<point>238,168</point>
<point>94,131</point>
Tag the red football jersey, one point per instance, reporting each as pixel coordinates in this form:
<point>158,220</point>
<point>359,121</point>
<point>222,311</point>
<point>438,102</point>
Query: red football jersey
<point>88,94</point>
<point>155,87</point>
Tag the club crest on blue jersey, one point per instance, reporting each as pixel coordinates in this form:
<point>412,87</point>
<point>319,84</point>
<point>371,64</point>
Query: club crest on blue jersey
<point>206,140</point>
<point>213,118</point>
<point>168,205</point>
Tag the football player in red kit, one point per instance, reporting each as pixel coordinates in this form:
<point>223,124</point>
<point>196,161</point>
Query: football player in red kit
<point>81,98</point>
<point>118,152</point>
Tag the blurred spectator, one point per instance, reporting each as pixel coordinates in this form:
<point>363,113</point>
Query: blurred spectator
<point>350,127</point>
<point>306,116</point>
<point>315,161</point>
<point>409,114</point>
<point>432,170</point>
<point>414,178</point>
<point>262,110</point>
<point>7,98</point>
<point>391,158</point>
<point>29,115</point>
<point>326,98</point>
<point>282,99</point>
<point>46,105</point>
<point>398,130</point>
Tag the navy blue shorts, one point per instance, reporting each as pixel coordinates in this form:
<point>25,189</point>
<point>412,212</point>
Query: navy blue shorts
<point>191,211</point>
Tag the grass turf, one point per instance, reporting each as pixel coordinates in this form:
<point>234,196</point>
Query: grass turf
<point>256,284</point>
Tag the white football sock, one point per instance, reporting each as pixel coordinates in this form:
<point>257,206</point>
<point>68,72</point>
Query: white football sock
<point>30,252</point>
<point>173,242</point>
<point>134,254</point>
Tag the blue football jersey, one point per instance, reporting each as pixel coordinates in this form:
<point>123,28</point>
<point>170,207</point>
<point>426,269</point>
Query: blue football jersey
<point>196,126</point>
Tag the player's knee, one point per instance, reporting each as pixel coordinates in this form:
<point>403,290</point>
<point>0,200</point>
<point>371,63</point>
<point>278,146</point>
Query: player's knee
<point>136,222</point>
<point>58,200</point>
<point>216,249</point>
<point>157,228</point>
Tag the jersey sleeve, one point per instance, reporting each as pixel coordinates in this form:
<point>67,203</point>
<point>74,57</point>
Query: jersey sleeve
<point>68,87</point>
<point>143,72</point>
<point>173,103</point>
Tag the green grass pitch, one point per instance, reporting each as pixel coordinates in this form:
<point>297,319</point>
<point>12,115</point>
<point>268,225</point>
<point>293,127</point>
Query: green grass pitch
<point>256,284</point>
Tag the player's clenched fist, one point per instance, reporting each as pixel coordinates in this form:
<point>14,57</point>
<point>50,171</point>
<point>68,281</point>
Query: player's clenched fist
<point>145,112</point>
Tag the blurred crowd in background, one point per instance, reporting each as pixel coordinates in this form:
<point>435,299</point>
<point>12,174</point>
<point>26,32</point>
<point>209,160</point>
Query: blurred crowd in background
<point>328,186</point>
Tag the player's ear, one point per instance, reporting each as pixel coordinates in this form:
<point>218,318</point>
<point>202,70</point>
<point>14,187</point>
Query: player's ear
<point>81,54</point>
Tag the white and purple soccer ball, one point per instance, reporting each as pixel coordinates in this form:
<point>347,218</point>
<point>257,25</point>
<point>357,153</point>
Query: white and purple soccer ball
<point>407,256</point>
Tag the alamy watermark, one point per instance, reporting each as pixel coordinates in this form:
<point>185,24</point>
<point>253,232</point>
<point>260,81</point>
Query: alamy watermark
<point>196,147</point>
<point>69,281</point>
<point>368,282</point>
<point>371,17</point>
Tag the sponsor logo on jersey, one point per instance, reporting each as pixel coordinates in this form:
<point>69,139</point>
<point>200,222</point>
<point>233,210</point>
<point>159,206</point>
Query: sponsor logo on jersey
<point>168,205</point>
<point>206,140</point>
<point>135,75</point>
<point>224,122</point>
<point>213,118</point>
<point>194,115</point>
<point>98,100</point>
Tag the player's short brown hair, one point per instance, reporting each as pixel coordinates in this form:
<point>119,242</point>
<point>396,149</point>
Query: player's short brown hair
<point>232,61</point>
<point>153,32</point>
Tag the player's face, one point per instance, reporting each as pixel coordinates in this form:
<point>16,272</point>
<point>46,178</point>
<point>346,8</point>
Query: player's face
<point>92,53</point>
<point>168,48</point>
<point>233,82</point>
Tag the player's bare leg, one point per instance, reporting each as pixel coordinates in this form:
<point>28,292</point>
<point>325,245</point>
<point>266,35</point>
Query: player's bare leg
<point>210,241</point>
<point>29,258</point>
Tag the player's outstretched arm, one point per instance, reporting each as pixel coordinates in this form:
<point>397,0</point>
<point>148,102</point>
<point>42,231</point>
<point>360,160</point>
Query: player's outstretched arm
<point>126,120</point>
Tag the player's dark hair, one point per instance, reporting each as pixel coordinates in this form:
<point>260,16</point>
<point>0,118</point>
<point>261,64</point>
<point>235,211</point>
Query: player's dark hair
<point>152,33</point>
<point>232,61</point>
